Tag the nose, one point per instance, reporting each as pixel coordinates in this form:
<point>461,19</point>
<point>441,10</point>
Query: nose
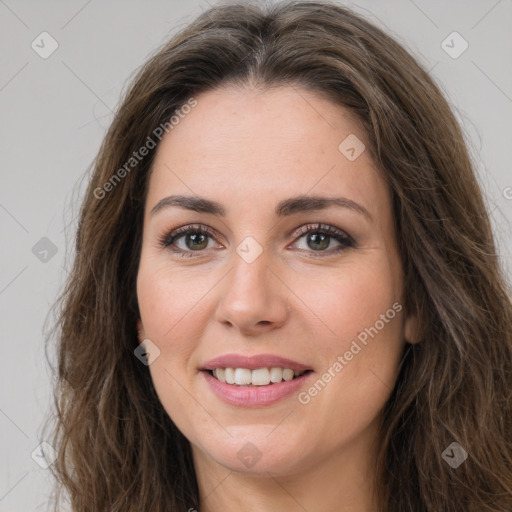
<point>253,297</point>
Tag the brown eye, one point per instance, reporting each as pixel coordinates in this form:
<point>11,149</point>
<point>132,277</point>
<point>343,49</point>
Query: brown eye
<point>318,241</point>
<point>320,237</point>
<point>195,241</point>
<point>188,239</point>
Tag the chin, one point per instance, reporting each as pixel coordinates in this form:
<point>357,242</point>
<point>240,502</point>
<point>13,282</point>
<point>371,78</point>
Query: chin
<point>252,450</point>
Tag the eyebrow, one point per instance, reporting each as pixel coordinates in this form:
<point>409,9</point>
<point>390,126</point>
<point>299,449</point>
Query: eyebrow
<point>284,208</point>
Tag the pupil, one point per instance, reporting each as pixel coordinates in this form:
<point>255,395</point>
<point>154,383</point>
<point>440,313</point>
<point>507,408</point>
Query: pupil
<point>324,241</point>
<point>193,238</point>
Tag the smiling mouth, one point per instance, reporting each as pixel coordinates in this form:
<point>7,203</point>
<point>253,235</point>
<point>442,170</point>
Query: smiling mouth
<point>257,377</point>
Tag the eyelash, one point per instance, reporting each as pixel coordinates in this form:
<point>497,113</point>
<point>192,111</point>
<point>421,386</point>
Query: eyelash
<point>345,240</point>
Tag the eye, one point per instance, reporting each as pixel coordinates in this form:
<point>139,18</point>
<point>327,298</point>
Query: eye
<point>319,238</point>
<point>196,238</point>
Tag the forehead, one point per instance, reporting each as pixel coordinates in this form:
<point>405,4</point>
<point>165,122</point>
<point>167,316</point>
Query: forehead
<point>249,146</point>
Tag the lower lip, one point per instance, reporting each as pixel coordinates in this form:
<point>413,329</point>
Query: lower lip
<point>254,396</point>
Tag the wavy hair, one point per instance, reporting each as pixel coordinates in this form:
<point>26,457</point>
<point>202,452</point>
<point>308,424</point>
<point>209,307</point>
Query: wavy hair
<point>118,450</point>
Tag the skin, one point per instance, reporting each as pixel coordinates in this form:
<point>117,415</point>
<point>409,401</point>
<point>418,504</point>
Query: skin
<point>249,149</point>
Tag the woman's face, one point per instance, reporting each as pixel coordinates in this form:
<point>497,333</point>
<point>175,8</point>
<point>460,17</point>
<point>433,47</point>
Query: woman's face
<point>262,291</point>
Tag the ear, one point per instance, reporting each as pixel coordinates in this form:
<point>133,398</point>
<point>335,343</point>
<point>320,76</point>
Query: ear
<point>140,330</point>
<point>412,329</point>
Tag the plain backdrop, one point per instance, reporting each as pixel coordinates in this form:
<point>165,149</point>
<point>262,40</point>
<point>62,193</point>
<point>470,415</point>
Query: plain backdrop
<point>54,112</point>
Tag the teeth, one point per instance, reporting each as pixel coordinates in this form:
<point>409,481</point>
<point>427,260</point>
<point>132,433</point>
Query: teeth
<point>220,374</point>
<point>230,375</point>
<point>287,374</point>
<point>276,374</point>
<point>242,376</point>
<point>258,377</point>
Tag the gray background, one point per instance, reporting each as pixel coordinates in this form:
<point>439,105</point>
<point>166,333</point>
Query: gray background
<point>54,113</point>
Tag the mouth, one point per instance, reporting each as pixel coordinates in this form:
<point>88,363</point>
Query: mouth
<point>240,389</point>
<point>254,369</point>
<point>264,376</point>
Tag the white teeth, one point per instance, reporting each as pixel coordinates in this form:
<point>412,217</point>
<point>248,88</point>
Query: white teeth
<point>276,374</point>
<point>260,377</point>
<point>230,375</point>
<point>257,377</point>
<point>242,376</point>
<point>287,374</point>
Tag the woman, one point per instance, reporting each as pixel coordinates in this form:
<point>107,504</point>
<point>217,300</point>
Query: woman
<point>286,293</point>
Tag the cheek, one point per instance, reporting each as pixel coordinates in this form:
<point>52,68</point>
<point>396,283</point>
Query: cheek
<point>169,308</point>
<point>170,302</point>
<point>362,343</point>
<point>349,299</point>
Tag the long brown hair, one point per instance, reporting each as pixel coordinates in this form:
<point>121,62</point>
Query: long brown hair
<point>118,450</point>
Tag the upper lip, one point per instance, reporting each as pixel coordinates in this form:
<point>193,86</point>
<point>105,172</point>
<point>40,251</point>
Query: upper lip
<point>252,362</point>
